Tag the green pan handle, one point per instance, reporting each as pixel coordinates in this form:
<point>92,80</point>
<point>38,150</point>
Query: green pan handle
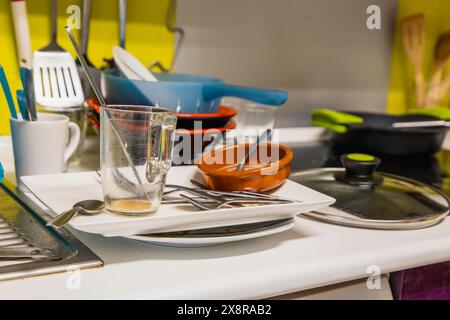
<point>441,113</point>
<point>334,120</point>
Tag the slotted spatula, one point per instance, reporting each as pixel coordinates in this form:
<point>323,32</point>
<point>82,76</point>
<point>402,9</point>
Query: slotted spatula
<point>56,81</point>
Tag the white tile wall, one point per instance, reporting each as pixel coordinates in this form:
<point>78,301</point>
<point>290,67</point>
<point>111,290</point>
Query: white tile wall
<point>319,50</point>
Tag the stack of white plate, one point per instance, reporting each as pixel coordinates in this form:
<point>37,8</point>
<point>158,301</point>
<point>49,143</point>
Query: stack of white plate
<point>175,225</point>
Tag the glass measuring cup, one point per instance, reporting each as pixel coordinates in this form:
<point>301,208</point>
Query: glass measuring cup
<point>136,145</point>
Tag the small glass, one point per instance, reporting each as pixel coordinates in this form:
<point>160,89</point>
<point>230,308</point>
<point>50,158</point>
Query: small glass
<point>252,115</point>
<point>256,116</point>
<point>252,119</point>
<point>136,144</point>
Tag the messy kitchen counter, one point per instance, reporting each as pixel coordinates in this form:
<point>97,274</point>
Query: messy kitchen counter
<point>310,255</point>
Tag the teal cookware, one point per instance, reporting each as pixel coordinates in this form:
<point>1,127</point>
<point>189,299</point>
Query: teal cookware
<point>182,93</point>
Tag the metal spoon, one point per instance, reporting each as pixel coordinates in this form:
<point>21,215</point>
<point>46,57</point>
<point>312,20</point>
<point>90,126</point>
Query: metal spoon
<point>252,148</point>
<point>86,207</point>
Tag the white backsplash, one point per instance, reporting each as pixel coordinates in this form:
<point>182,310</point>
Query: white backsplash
<point>320,51</point>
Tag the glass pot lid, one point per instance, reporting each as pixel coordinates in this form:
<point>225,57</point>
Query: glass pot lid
<point>374,199</point>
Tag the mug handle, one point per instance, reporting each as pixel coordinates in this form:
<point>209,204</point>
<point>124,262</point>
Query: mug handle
<point>75,135</point>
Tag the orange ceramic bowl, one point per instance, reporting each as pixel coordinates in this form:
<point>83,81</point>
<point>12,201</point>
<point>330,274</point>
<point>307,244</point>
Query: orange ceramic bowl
<point>209,120</point>
<point>218,168</point>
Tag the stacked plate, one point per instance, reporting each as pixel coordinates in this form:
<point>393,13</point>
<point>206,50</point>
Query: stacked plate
<point>175,224</point>
<point>192,126</point>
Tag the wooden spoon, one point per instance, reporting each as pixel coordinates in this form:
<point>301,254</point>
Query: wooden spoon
<point>438,93</point>
<point>413,34</point>
<point>442,55</point>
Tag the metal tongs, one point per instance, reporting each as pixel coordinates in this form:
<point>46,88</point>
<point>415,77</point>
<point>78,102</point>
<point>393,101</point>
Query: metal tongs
<point>31,252</point>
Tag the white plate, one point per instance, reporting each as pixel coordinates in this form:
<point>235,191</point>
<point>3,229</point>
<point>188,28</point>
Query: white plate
<point>131,66</point>
<point>222,236</point>
<point>60,191</point>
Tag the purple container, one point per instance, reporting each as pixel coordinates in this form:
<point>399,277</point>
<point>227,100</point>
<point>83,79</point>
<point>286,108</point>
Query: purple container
<point>424,283</point>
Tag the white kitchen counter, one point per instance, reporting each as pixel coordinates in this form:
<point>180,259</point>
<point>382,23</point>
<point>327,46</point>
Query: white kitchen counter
<point>310,255</point>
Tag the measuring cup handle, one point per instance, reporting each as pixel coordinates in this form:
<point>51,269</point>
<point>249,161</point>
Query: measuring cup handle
<point>75,135</point>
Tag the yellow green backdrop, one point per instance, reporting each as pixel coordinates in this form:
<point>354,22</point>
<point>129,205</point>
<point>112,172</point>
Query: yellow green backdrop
<point>437,15</point>
<point>147,36</point>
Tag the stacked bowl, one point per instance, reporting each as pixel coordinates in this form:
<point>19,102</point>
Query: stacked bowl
<point>195,99</point>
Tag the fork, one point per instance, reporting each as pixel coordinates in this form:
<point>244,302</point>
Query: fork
<point>241,194</point>
<point>227,203</point>
<point>199,192</point>
<point>211,199</point>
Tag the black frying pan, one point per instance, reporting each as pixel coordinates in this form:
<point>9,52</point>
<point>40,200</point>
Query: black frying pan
<point>377,134</point>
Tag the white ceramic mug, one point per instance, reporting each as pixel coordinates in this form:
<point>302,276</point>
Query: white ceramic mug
<point>43,146</point>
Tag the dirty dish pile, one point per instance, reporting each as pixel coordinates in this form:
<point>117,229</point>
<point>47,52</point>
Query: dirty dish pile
<point>258,202</point>
<point>191,127</point>
<point>182,92</point>
<point>60,192</point>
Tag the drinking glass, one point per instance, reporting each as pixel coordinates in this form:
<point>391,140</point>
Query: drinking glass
<point>136,145</point>
<point>256,116</point>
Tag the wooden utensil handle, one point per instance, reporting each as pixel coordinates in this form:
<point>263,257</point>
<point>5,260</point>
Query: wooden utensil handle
<point>436,94</point>
<point>420,89</point>
<point>22,32</point>
<point>436,79</point>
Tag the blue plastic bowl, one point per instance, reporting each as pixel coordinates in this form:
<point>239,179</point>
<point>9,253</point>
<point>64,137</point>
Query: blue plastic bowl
<point>182,92</point>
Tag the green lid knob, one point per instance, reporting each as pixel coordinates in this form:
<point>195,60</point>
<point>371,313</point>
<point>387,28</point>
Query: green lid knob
<point>360,157</point>
<point>360,170</point>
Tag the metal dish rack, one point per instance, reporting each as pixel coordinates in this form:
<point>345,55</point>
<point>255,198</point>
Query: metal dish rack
<point>24,225</point>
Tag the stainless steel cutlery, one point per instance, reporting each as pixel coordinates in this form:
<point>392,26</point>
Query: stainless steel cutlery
<point>86,207</point>
<point>206,199</point>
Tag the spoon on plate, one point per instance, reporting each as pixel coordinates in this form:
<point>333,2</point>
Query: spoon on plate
<point>86,207</point>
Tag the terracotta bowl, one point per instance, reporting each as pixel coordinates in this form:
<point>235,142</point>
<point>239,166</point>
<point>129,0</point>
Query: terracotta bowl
<point>255,176</point>
<point>209,120</point>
